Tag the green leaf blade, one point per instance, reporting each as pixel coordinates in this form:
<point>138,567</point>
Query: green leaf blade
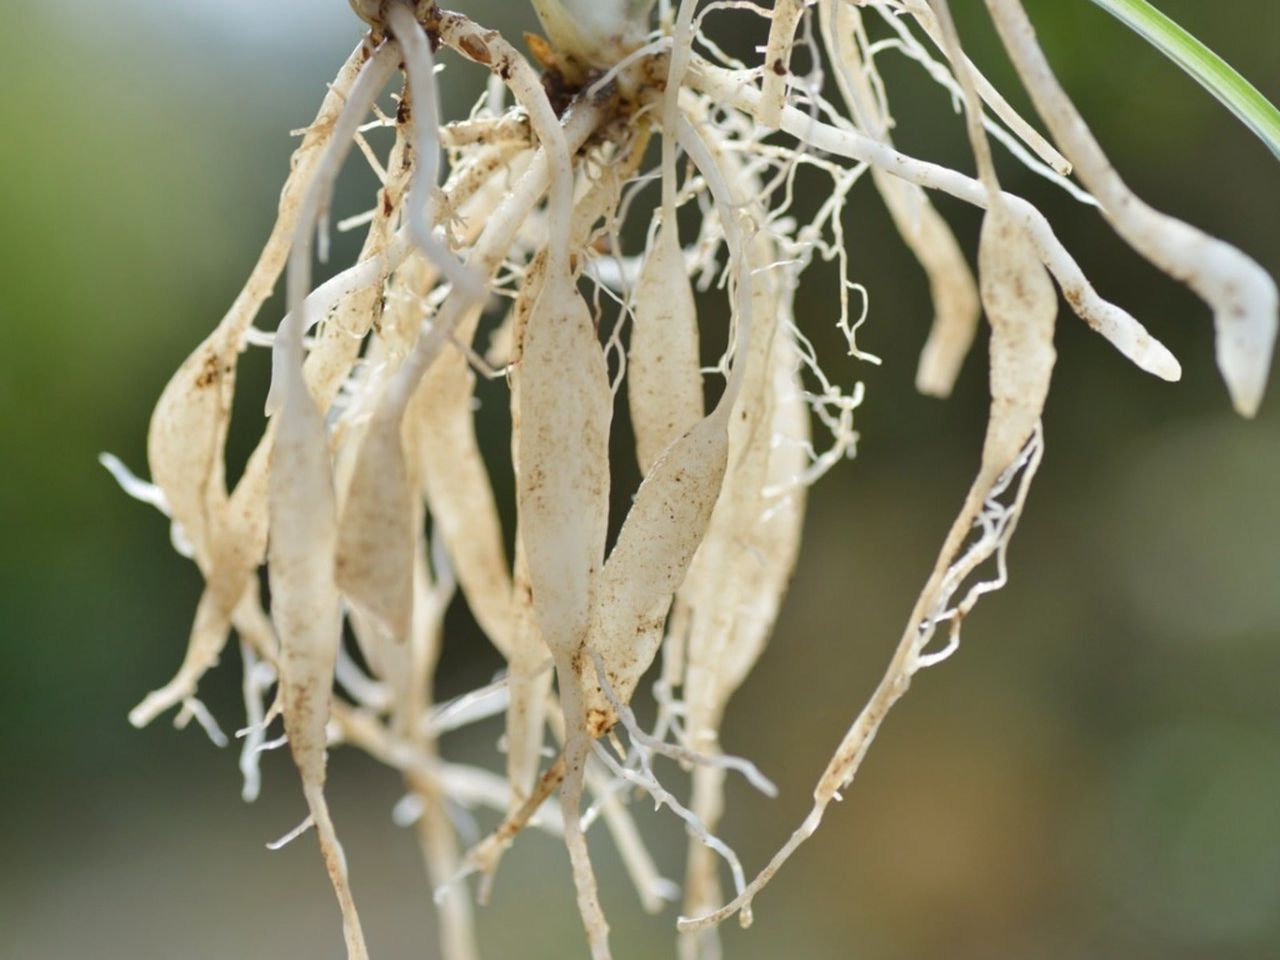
<point>1207,68</point>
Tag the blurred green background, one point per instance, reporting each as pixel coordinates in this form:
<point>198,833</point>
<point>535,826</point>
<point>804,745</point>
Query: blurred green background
<point>1096,774</point>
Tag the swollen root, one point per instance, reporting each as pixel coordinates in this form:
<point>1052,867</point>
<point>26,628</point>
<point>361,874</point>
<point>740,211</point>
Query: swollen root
<point>538,242</point>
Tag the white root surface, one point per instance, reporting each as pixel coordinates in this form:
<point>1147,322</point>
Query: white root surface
<point>1243,296</point>
<point>664,372</point>
<point>1119,327</point>
<point>777,59</point>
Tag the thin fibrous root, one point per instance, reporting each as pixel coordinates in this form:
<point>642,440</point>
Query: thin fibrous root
<point>577,748</point>
<point>692,758</point>
<point>906,661</point>
<point>335,862</point>
<point>485,856</point>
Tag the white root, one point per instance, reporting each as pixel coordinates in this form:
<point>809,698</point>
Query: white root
<point>690,758</point>
<point>187,433</point>
<point>951,284</point>
<point>1124,332</point>
<point>530,687</point>
<point>315,205</point>
<point>380,461</point>
<point>848,757</point>
<point>439,843</point>
<point>562,482</point>
<point>239,537</point>
<point>777,60</point>
<point>188,428</point>
<point>1017,294</point>
<point>653,889</point>
<point>563,478</point>
<point>258,678</point>
<point>673,506</point>
<point>419,66</point>
<point>440,440</point>
<point>489,248</point>
<point>456,486</point>
<point>243,532</point>
<point>645,780</point>
<point>527,654</point>
<point>305,609</point>
<point>1021,304</point>
<point>303,515</point>
<point>664,373</point>
<point>1243,296</point>
<point>677,68</point>
<point>378,519</point>
<point>377,535</point>
<point>562,489</point>
<point>375,557</point>
<point>647,565</point>
<point>728,602</point>
<point>194,709</point>
<point>437,834</point>
<point>1043,149</point>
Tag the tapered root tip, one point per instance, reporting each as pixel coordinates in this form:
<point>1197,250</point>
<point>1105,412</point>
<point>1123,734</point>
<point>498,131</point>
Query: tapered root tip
<point>158,701</point>
<point>1163,364</point>
<point>943,354</point>
<point>1246,314</point>
<point>1244,357</point>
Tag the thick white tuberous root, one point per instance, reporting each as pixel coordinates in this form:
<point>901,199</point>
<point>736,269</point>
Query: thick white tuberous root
<point>376,537</point>
<point>673,506</point>
<point>563,477</point>
<point>188,428</point>
<point>523,247</point>
<point>562,492</point>
<point>663,529</point>
<point>1242,295</point>
<point>664,373</point>
<point>304,531</point>
<point>306,611</point>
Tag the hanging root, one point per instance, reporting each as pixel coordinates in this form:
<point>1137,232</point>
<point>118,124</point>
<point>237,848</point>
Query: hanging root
<point>577,748</point>
<point>1243,296</point>
<point>995,524</point>
<point>951,284</point>
<point>643,745</point>
<point>1124,332</point>
<point>419,65</point>
<point>335,863</point>
<point>485,857</point>
<point>439,844</point>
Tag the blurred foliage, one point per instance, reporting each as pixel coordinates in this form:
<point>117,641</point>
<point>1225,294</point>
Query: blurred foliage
<point>1097,773</point>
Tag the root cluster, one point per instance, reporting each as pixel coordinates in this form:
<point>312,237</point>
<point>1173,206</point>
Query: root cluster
<point>522,242</point>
